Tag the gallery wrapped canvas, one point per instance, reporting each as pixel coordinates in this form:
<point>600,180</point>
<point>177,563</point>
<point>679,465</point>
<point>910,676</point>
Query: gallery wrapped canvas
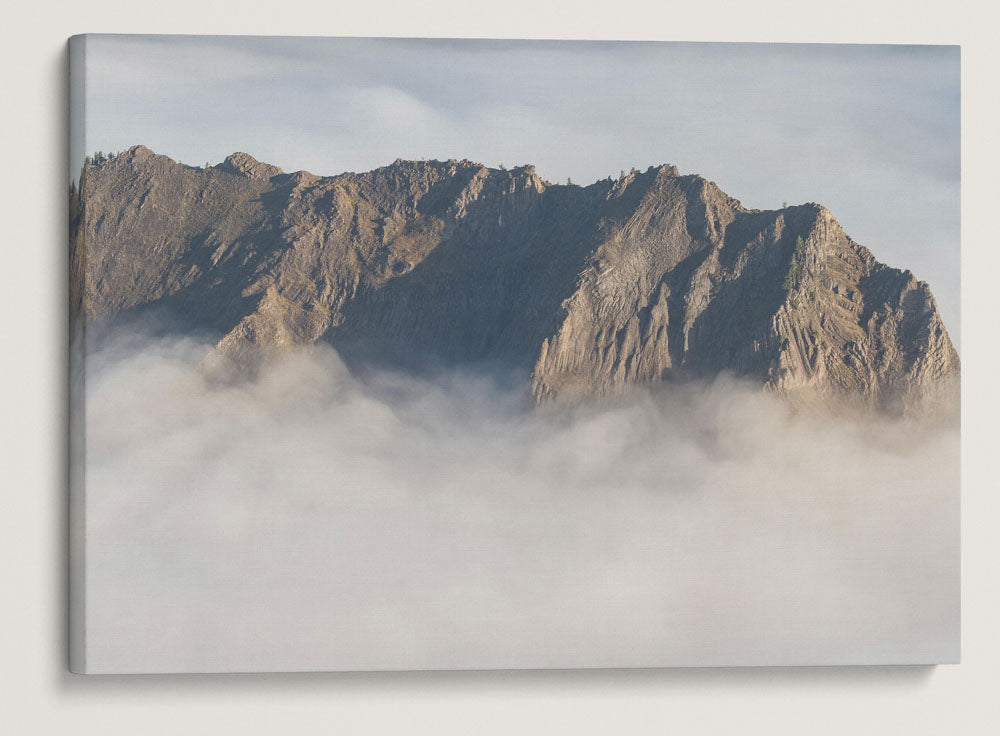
<point>463,354</point>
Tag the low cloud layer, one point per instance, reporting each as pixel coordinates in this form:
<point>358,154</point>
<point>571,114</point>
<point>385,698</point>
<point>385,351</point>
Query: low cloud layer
<point>310,519</point>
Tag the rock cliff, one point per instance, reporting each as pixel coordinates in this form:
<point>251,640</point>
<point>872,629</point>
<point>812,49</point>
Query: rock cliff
<point>587,291</point>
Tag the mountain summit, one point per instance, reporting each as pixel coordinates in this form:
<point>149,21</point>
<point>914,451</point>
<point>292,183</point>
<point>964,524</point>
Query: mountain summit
<point>588,290</point>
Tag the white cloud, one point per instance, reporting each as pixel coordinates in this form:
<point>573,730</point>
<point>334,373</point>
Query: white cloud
<point>311,520</point>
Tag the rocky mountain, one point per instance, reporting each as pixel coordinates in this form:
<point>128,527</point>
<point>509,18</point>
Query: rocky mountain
<point>587,290</point>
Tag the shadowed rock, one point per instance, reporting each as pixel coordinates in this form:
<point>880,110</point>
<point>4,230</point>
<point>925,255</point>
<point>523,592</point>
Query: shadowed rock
<point>587,291</point>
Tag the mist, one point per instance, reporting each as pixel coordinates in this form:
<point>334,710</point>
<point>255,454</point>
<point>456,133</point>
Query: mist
<point>312,519</point>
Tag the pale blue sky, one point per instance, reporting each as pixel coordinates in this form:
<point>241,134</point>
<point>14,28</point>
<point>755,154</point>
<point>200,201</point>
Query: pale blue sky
<point>872,132</point>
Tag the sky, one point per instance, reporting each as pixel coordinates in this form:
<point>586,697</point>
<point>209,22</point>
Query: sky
<point>871,132</point>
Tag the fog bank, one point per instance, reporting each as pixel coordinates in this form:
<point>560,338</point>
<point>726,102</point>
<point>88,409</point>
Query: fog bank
<point>309,519</point>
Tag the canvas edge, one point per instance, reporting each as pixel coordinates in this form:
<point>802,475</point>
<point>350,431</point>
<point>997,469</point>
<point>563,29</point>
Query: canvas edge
<point>77,659</point>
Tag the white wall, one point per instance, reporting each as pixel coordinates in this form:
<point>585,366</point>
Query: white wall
<point>36,693</point>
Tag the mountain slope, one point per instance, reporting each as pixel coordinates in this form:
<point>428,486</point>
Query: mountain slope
<point>586,290</point>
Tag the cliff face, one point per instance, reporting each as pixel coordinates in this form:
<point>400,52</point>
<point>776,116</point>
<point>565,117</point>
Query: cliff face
<point>586,290</point>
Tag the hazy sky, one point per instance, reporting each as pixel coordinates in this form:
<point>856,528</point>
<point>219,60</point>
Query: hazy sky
<point>872,132</point>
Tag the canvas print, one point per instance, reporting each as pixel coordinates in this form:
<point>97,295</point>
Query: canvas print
<point>394,354</point>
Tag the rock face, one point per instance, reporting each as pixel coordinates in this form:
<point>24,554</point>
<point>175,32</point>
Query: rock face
<point>587,290</point>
